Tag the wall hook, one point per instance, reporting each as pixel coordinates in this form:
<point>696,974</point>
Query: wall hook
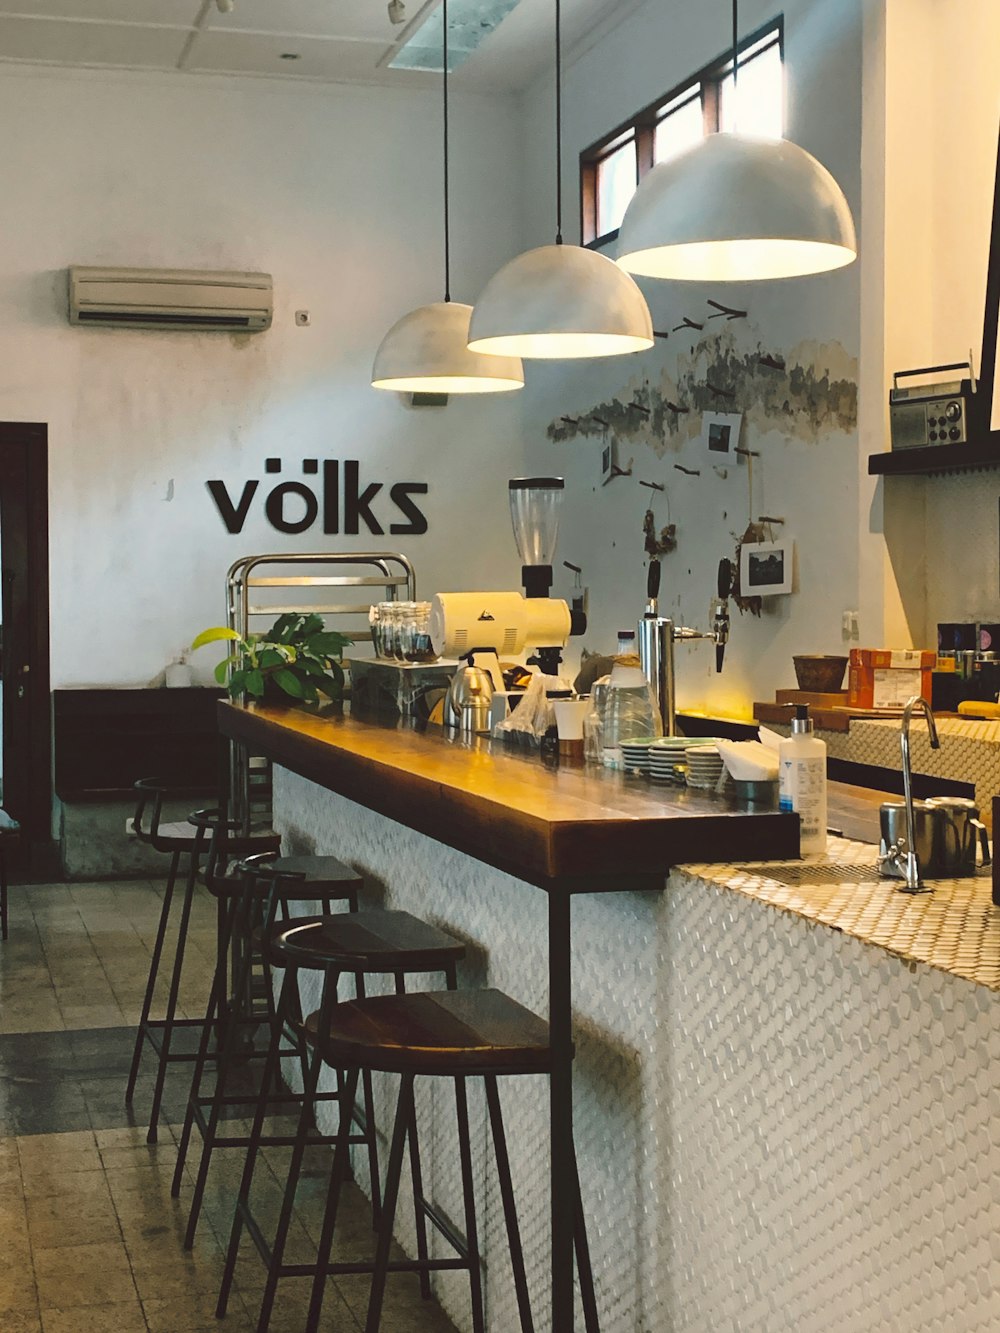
<point>719,393</point>
<point>637,407</point>
<point>676,408</point>
<point>659,333</point>
<point>688,471</point>
<point>600,420</point>
<point>653,485</point>
<point>726,310</point>
<point>570,421</point>
<point>767,518</point>
<point>616,471</point>
<point>772,362</point>
<point>687,324</point>
<point>747,453</point>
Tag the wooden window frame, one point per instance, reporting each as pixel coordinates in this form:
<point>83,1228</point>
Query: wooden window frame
<point>705,84</point>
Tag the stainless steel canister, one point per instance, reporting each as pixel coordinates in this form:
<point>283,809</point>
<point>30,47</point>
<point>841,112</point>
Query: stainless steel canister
<point>959,831</point>
<point>927,820</point>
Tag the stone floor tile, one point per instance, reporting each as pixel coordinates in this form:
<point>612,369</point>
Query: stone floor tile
<point>197,1315</point>
<point>57,1221</point>
<point>83,1275</point>
<point>122,1317</point>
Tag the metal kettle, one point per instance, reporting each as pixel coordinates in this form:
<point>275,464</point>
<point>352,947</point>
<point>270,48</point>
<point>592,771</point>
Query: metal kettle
<point>467,704</point>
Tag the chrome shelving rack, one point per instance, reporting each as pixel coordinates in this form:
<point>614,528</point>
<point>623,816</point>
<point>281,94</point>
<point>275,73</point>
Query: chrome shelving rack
<point>275,584</point>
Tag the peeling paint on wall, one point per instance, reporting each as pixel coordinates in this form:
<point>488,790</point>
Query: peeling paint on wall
<point>806,393</point>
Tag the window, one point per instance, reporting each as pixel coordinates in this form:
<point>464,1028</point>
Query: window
<point>611,169</point>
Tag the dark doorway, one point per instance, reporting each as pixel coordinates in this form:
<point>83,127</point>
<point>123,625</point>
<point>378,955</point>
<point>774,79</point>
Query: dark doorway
<point>24,636</point>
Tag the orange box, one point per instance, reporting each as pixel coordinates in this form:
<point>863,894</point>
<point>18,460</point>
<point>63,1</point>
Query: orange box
<point>886,677</point>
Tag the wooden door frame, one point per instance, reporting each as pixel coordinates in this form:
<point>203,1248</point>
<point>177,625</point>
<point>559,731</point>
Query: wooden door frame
<point>32,438</point>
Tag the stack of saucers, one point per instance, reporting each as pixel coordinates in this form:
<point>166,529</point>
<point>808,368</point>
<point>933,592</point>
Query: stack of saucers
<point>664,757</point>
<point>704,765</point>
<point>635,753</point>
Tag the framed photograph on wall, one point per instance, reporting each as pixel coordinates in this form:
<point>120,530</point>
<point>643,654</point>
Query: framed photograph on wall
<point>720,432</point>
<point>766,568</point>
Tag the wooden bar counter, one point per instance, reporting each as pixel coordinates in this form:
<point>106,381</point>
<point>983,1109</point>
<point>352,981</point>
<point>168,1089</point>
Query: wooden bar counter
<point>571,827</point>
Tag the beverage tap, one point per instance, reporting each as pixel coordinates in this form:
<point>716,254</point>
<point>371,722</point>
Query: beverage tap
<point>720,611</point>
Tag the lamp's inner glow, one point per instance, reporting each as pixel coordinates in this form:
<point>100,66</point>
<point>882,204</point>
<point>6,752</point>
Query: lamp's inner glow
<point>448,384</point>
<point>740,260</point>
<point>560,346</point>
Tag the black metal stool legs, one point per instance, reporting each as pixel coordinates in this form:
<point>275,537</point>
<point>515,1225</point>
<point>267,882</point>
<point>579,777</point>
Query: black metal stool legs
<point>154,968</point>
<point>507,1199</point>
<point>338,1175</point>
<point>271,1068</point>
<point>405,1114</point>
<point>171,1011</point>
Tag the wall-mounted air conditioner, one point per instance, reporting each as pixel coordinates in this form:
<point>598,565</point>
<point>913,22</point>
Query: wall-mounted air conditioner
<point>164,298</point>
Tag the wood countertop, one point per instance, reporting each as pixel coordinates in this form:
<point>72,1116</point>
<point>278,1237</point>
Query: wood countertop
<point>581,828</point>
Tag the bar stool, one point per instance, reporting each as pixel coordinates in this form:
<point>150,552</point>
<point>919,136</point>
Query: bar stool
<point>205,834</point>
<point>258,887</point>
<point>463,1034</point>
<point>388,942</point>
<point>10,831</point>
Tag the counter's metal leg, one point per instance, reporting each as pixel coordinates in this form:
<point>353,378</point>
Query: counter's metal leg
<point>563,1167</point>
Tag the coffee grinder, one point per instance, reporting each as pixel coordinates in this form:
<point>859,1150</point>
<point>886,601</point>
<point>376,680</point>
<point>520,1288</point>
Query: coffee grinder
<point>535,503</point>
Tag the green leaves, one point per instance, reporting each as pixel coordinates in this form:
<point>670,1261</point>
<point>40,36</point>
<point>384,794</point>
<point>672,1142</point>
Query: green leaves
<point>214,635</point>
<point>297,656</point>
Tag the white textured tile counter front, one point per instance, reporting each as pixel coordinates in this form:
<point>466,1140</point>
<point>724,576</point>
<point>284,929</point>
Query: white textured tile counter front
<point>780,1126</point>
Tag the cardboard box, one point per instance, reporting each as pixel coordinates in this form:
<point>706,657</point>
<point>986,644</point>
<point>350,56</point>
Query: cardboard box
<point>886,678</point>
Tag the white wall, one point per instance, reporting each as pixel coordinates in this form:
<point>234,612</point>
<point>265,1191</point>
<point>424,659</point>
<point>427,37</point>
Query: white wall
<point>336,192</point>
<point>809,476</point>
<point>944,109</point>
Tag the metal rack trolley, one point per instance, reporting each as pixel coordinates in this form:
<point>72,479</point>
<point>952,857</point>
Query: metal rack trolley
<point>247,585</point>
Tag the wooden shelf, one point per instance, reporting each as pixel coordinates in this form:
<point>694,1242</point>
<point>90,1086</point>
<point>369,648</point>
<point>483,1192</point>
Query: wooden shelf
<point>937,458</point>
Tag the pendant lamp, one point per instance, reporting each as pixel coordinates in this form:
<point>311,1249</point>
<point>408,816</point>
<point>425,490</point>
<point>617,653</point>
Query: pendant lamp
<point>560,301</point>
<point>736,208</point>
<point>427,350</point>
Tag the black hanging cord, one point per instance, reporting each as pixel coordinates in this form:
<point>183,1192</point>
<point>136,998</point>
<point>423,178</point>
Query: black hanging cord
<point>559,236</point>
<point>736,55</point>
<point>444,84</point>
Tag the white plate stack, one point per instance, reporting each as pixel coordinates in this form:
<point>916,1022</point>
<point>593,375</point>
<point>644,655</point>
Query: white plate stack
<point>704,766</point>
<point>635,753</point>
<point>664,757</point>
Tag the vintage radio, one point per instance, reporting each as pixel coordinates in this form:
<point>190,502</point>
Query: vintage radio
<point>936,413</point>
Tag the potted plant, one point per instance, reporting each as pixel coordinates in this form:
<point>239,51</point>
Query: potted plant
<point>296,659</point>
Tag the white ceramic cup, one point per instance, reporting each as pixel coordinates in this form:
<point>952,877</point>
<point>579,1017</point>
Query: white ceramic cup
<point>569,717</point>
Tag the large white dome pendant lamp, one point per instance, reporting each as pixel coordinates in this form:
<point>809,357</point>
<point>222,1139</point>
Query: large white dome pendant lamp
<point>734,209</point>
<point>560,301</point>
<point>427,351</point>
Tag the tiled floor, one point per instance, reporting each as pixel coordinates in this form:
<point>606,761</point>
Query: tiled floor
<point>91,1239</point>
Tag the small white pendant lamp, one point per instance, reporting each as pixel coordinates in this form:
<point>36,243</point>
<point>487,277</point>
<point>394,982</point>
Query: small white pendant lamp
<point>427,350</point>
<point>735,208</point>
<point>560,301</point>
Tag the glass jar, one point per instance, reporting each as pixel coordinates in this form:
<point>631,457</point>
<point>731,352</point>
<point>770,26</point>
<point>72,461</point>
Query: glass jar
<point>630,712</point>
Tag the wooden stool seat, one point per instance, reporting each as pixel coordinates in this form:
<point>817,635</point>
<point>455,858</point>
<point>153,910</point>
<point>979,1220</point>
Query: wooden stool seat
<point>463,1032</point>
<point>364,942</point>
<point>324,876</point>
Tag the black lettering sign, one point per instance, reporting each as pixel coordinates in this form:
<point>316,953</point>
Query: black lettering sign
<point>345,504</point>
<point>275,507</point>
<point>233,516</point>
<point>400,495</point>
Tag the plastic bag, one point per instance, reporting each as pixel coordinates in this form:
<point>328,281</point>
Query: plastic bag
<point>533,716</point>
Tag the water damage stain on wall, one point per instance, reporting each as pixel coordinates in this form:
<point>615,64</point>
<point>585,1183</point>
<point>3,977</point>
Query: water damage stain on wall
<point>807,393</point>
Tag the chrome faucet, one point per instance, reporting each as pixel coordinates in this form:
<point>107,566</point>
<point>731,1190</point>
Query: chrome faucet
<point>904,862</point>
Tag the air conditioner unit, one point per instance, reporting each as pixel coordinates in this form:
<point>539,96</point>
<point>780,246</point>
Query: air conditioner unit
<point>165,298</point>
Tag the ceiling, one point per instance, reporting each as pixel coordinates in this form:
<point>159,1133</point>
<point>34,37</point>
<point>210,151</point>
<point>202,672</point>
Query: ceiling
<point>303,40</point>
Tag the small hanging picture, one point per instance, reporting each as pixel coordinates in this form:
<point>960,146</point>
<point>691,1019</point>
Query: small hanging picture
<point>766,568</point>
<point>720,432</point>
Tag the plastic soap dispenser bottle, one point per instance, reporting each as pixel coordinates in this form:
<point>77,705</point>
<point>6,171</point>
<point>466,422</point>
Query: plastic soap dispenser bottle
<point>802,781</point>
